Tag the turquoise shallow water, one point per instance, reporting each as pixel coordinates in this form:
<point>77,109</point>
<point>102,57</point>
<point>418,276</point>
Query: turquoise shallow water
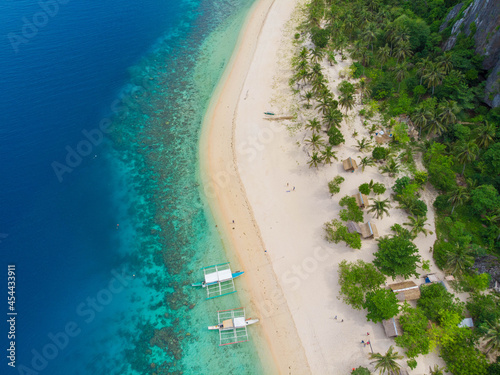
<point>107,247</point>
<point>167,228</point>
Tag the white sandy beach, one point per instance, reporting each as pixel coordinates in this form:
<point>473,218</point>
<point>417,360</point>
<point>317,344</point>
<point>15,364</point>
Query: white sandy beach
<point>257,174</point>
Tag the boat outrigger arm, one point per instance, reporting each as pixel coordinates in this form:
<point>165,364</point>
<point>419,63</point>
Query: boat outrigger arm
<point>218,280</point>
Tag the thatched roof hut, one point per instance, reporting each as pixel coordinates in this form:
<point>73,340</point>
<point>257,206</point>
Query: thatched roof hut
<point>353,227</point>
<point>361,200</point>
<point>406,291</point>
<point>368,230</point>
<point>350,164</point>
<point>392,327</point>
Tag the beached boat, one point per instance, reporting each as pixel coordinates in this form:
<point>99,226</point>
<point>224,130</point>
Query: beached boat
<point>218,280</point>
<point>232,326</point>
<point>269,113</point>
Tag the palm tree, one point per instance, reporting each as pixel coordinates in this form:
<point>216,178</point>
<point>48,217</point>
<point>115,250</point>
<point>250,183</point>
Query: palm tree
<point>387,363</point>
<point>369,34</point>
<point>380,207</point>
<point>403,50</point>
<point>485,135</point>
<point>367,161</point>
<point>316,54</point>
<point>436,370</point>
<point>384,53</point>
<point>363,88</point>
<point>315,160</point>
<point>308,96</point>
<point>330,56</point>
<point>391,168</point>
<point>301,75</point>
<point>315,142</point>
<point>316,71</point>
<point>433,76</point>
<point>458,196</point>
<point>445,62</point>
<point>364,144</point>
<point>327,155</point>
<point>401,71</point>
<point>459,260</point>
<point>422,67</point>
<point>314,125</point>
<point>467,152</point>
<point>417,225</point>
<point>323,104</point>
<point>492,336</point>
<point>448,110</point>
<point>303,54</point>
<point>333,117</point>
<point>420,118</point>
<point>346,102</point>
<point>434,125</point>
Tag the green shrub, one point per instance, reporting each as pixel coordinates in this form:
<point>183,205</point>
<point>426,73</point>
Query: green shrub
<point>365,188</point>
<point>412,363</point>
<point>441,204</point>
<point>361,371</point>
<point>378,188</point>
<point>352,212</point>
<point>379,153</point>
<point>400,184</point>
<point>441,250</point>
<point>335,232</point>
<point>334,185</point>
<point>420,177</point>
<point>335,136</point>
<point>419,208</point>
<point>320,37</point>
<point>434,298</point>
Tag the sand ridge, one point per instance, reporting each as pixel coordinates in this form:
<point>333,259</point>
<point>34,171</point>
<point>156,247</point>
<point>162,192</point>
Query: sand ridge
<point>261,292</point>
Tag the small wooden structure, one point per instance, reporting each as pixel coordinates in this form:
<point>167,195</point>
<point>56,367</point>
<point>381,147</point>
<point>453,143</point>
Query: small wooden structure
<point>406,291</point>
<point>368,230</point>
<point>431,278</point>
<point>361,200</point>
<point>353,227</point>
<point>350,164</point>
<point>383,138</point>
<point>392,328</point>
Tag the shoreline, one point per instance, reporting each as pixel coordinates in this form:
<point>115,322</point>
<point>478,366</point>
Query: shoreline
<point>276,335</point>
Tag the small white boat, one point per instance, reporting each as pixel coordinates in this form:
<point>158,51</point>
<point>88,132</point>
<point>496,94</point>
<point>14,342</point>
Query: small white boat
<point>234,323</point>
<point>232,326</point>
<point>218,280</point>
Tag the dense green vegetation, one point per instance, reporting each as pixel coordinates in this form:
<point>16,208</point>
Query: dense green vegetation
<point>402,72</point>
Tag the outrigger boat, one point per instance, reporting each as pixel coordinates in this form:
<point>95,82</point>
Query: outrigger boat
<point>269,113</point>
<point>232,326</point>
<point>218,280</point>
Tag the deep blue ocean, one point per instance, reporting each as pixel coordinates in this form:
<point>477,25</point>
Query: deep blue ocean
<point>101,213</point>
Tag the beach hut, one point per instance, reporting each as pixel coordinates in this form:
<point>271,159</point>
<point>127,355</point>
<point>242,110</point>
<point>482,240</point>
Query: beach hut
<point>392,328</point>
<point>350,164</point>
<point>353,227</point>
<point>361,200</point>
<point>368,230</point>
<point>406,291</point>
